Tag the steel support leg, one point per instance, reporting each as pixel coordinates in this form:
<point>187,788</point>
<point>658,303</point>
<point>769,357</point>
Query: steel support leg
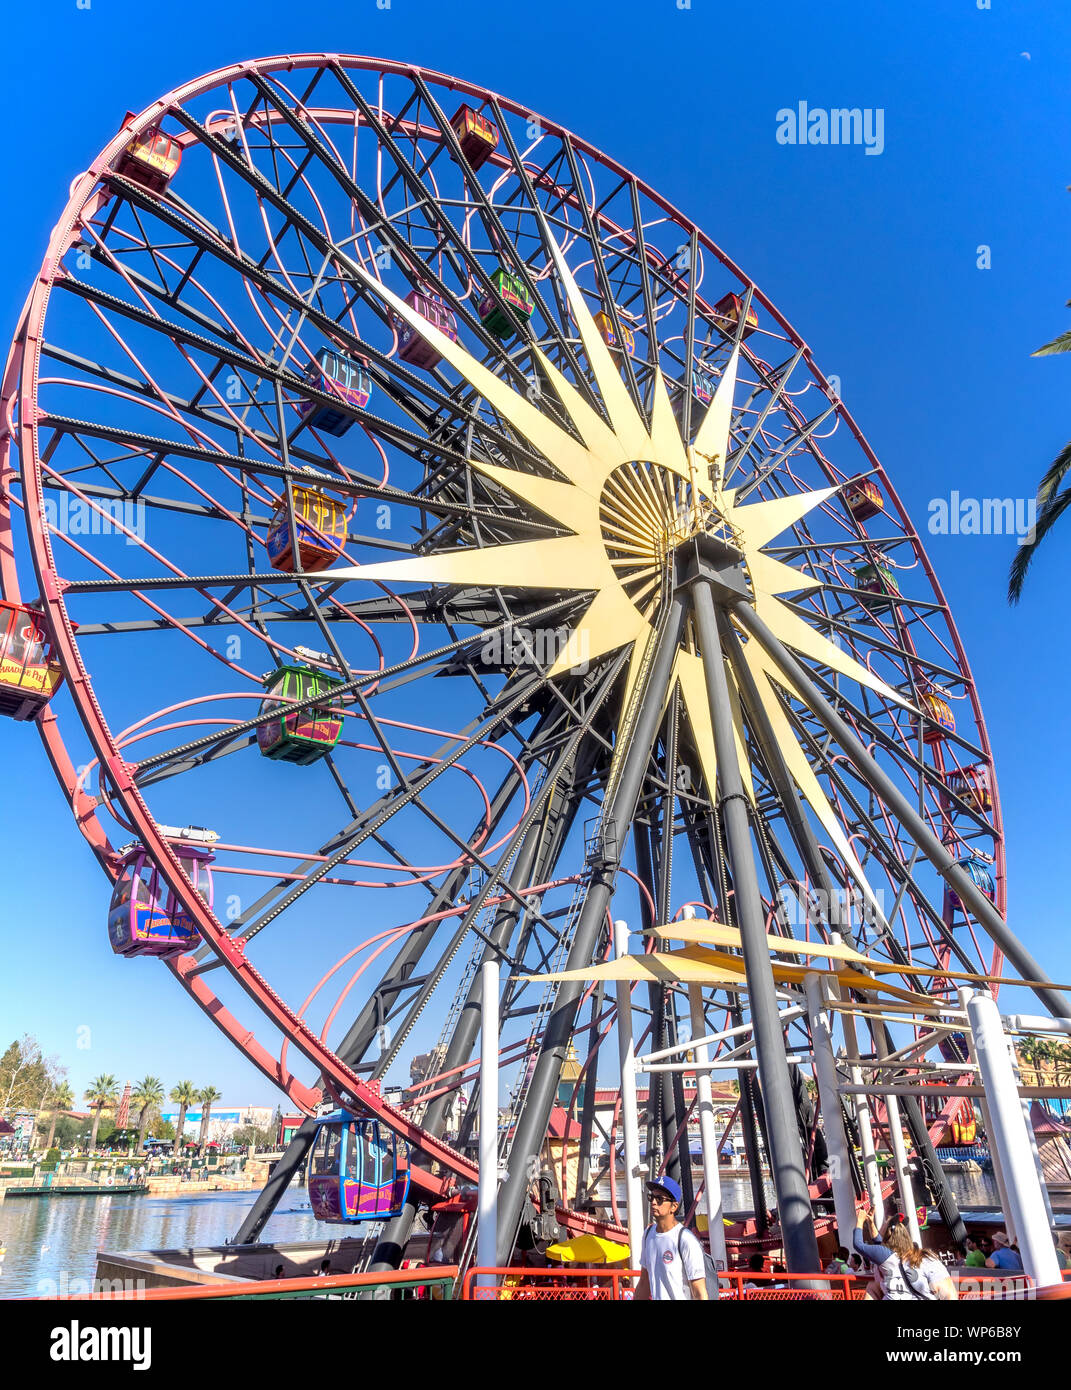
<point>532,1122</point>
<point>786,1155</point>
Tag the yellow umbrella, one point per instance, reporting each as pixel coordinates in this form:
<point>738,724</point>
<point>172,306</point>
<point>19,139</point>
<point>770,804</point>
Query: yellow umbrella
<point>702,1223</point>
<point>588,1250</point>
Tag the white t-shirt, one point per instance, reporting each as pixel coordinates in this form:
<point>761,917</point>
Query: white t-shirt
<point>672,1259</point>
<point>925,1279</point>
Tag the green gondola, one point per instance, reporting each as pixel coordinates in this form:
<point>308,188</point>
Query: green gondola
<point>302,736</point>
<point>509,290</point>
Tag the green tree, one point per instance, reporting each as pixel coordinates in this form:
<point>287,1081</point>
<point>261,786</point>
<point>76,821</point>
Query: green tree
<point>1051,502</point>
<point>207,1096</point>
<point>164,1129</point>
<point>183,1095</point>
<point>102,1092</point>
<point>60,1098</point>
<point>70,1131</point>
<point>250,1134</point>
<point>147,1095</point>
<point>26,1076</point>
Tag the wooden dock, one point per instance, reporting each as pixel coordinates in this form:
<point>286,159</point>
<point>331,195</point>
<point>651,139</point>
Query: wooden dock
<point>79,1189</point>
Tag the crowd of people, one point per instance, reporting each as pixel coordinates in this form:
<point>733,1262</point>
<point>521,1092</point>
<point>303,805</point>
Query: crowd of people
<point>900,1269</point>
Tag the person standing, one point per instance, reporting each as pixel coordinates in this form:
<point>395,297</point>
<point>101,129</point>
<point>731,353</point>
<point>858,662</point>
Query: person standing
<point>671,1258</point>
<point>1003,1256</point>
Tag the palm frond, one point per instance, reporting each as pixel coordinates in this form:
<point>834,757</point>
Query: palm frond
<point>1049,515</point>
<point>1054,475</point>
<point>1060,344</point>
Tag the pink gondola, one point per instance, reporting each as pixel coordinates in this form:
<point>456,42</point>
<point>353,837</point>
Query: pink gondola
<point>144,917</point>
<point>412,346</point>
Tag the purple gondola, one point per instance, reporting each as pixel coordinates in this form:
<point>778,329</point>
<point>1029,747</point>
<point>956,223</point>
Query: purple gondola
<point>144,917</point>
<point>358,1170</point>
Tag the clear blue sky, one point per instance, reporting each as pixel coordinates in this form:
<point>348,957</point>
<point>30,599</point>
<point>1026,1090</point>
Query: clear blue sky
<point>872,258</point>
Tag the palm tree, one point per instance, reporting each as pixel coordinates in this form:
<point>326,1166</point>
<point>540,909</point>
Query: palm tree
<point>60,1098</point>
<point>1051,502</point>
<point>183,1096</point>
<point>206,1097</point>
<point>146,1095</point>
<point>1028,1054</point>
<point>101,1093</point>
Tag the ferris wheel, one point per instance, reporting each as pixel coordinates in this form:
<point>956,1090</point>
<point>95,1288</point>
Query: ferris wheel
<point>417,504</point>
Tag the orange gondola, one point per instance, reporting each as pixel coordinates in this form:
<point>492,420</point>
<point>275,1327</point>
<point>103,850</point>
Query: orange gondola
<point>28,675</point>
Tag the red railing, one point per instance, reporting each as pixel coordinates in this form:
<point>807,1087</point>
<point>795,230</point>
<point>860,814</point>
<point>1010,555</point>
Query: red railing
<point>524,1284</point>
<point>428,1281</point>
<point>743,1286</point>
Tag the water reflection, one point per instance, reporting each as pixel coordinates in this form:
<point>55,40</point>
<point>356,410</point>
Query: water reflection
<point>46,1236</point>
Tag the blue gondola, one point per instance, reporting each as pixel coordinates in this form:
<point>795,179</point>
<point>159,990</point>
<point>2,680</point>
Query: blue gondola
<point>980,873</point>
<point>347,381</point>
<point>703,386</point>
<point>358,1170</point>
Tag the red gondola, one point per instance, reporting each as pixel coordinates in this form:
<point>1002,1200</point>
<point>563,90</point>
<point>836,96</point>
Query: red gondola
<point>863,498</point>
<point>28,675</point>
<point>727,313</point>
<point>477,136</point>
<point>144,916</point>
<point>151,159</point>
<point>414,348</point>
<point>971,784</point>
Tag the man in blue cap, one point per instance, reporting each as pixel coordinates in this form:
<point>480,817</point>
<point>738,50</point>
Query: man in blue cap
<point>671,1258</point>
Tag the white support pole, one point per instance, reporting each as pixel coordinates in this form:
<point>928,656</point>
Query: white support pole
<point>825,1070</point>
<point>487,1228</point>
<point>994,1151</point>
<point>866,1133</point>
<point>899,1151</point>
<point>1025,1103</point>
<point>1010,1136</point>
<point>630,1119</point>
<point>708,1129</point>
<point>708,1136</point>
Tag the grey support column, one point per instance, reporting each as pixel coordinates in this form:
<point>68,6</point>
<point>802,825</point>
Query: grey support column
<point>786,1156</point>
<point>532,1122</point>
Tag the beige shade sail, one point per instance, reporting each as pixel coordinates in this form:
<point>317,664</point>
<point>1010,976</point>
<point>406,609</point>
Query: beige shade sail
<point>714,934</point>
<point>696,965</point>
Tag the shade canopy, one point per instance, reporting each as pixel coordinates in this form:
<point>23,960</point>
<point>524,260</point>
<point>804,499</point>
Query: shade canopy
<point>696,965</point>
<point>588,1250</point>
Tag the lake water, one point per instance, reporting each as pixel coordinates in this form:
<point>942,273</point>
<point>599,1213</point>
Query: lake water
<point>47,1236</point>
